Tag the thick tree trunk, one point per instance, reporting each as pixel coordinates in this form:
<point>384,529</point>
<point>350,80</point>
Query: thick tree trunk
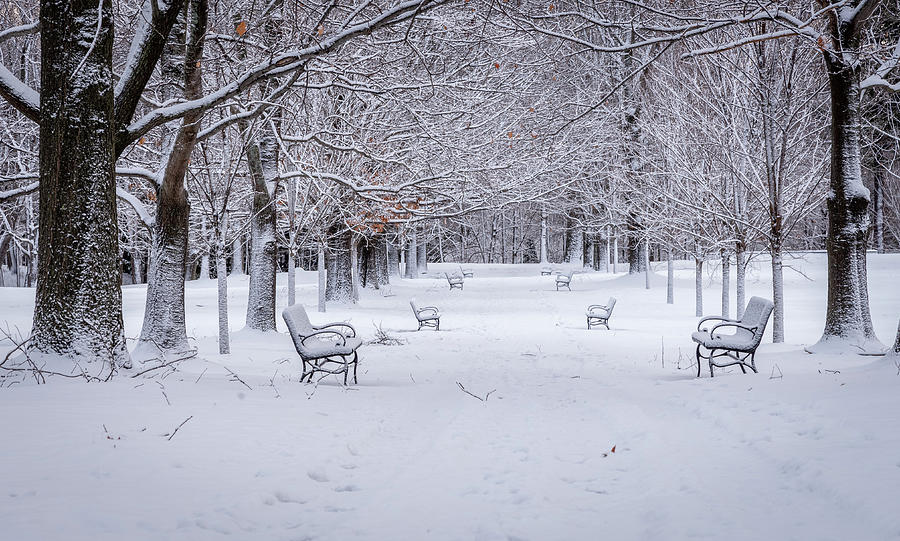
<point>339,263</point>
<point>574,242</point>
<point>615,254</point>
<point>896,349</point>
<point>393,260</point>
<point>848,323</point>
<point>163,329</point>
<point>262,160</point>
<point>411,253</point>
<point>78,303</point>
<point>380,274</point>
<point>636,247</point>
<point>421,257</point>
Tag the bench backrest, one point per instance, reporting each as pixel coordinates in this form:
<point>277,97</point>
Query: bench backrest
<point>755,315</point>
<point>412,302</point>
<point>610,304</point>
<point>298,324</point>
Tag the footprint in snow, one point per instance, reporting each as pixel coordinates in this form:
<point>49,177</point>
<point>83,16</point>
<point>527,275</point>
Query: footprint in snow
<point>318,476</point>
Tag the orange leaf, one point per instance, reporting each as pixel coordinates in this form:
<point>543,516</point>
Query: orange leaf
<point>613,449</point>
<point>551,7</point>
<point>142,140</point>
<point>496,65</point>
<point>241,28</point>
<point>531,109</point>
<point>510,134</point>
<point>321,30</point>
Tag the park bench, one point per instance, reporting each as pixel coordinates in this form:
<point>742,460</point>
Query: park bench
<point>329,348</point>
<point>456,281</point>
<point>564,280</point>
<point>722,350</point>
<point>428,316</point>
<point>466,273</point>
<point>598,314</point>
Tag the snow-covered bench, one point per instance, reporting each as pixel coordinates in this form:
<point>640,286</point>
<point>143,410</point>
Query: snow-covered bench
<point>456,281</point>
<point>598,314</point>
<point>564,280</point>
<point>329,348</point>
<point>547,271</point>
<point>467,273</point>
<point>728,349</point>
<point>428,316</point>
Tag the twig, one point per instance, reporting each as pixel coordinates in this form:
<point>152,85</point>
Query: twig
<point>162,389</point>
<point>172,435</point>
<point>201,374</point>
<point>190,355</point>
<point>235,377</point>
<point>463,389</point>
<point>780,374</point>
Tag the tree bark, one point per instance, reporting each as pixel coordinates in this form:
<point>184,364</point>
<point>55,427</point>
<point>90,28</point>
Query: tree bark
<point>698,286</point>
<point>339,287</point>
<point>726,283</point>
<point>848,322</point>
<point>163,329</point>
<point>78,302</point>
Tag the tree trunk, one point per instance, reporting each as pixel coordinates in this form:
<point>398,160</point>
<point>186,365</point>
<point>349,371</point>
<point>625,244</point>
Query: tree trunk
<point>292,279</point>
<point>78,303</point>
<point>698,286</point>
<point>322,277</point>
<point>606,263</point>
<point>646,264</point>
<point>411,253</point>
<point>339,263</point>
<point>615,254</point>
<point>380,272</point>
<point>636,247</point>
<point>741,278</point>
<point>670,277</point>
<point>848,322</point>
<point>726,283</point>
<point>777,297</point>
<point>237,257</point>
<point>878,204</point>
<point>163,329</point>
<point>544,259</point>
<point>262,160</point>
<point>222,281</point>
<point>393,260</point>
<point>574,242</point>
<point>421,257</point>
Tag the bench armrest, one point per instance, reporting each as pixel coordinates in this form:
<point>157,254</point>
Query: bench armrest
<point>336,324</point>
<point>322,332</point>
<point>602,306</point>
<point>714,318</point>
<point>730,323</point>
<point>427,308</point>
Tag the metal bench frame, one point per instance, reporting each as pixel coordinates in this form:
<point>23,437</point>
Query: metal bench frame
<point>455,281</point>
<point>428,316</point>
<point>741,350</point>
<point>599,314</point>
<point>302,330</point>
<point>565,280</point>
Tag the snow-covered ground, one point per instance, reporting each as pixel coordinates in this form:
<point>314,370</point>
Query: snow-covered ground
<point>808,449</point>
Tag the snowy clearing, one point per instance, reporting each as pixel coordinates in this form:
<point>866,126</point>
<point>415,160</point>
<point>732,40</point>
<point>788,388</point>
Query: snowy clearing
<point>806,449</point>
